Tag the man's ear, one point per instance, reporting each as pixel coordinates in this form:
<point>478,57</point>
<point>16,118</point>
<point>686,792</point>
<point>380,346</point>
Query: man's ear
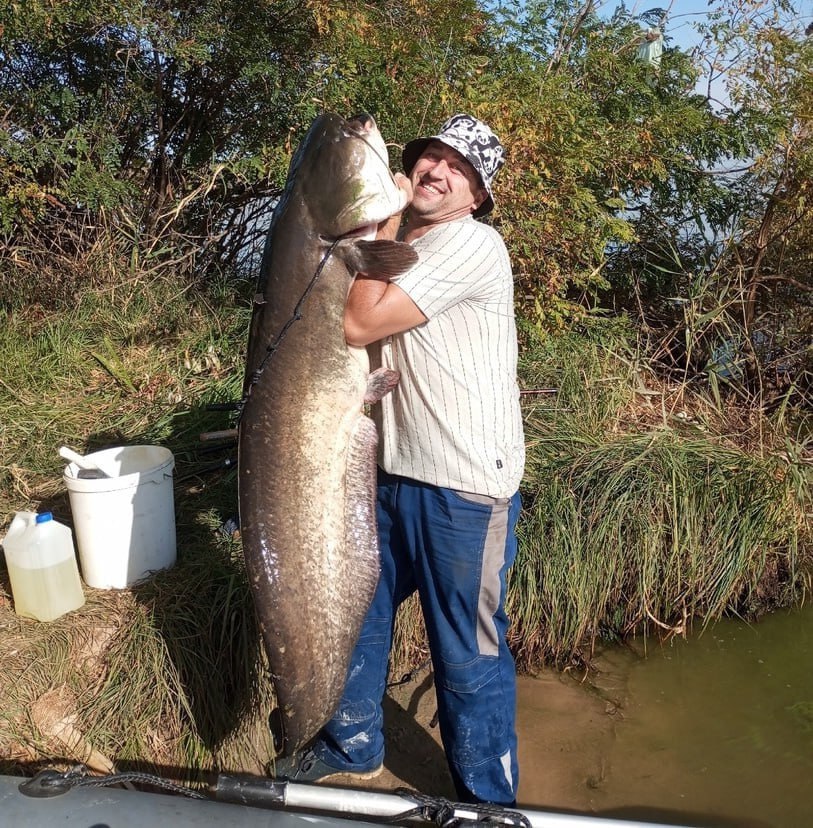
<point>479,198</point>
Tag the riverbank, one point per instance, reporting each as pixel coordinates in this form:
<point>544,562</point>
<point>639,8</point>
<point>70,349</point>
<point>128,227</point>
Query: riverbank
<point>711,730</point>
<point>644,507</point>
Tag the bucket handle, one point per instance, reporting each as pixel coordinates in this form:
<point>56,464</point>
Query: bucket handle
<point>158,482</point>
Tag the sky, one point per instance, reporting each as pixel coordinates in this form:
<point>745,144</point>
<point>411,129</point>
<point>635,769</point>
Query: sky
<point>682,15</point>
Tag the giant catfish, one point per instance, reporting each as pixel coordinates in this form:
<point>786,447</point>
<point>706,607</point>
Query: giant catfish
<point>306,449</point>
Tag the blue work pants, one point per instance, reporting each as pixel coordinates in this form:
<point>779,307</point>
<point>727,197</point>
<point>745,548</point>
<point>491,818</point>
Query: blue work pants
<point>455,549</point>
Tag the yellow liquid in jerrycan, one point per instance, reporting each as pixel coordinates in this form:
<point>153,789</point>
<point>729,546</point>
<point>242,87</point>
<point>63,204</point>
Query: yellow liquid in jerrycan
<point>47,593</point>
<point>42,567</point>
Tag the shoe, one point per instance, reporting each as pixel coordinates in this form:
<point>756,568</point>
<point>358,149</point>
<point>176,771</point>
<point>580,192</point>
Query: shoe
<point>308,767</point>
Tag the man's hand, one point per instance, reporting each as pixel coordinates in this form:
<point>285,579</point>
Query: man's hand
<point>388,229</point>
<point>405,185</point>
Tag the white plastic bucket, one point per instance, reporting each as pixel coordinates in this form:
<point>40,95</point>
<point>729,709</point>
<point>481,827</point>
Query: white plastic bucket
<point>124,524</point>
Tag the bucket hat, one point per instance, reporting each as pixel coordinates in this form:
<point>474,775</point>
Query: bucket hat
<point>474,141</point>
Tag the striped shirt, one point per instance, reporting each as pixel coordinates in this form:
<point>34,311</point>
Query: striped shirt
<point>454,418</point>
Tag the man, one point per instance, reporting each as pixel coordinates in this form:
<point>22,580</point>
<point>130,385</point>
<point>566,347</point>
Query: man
<point>451,457</point>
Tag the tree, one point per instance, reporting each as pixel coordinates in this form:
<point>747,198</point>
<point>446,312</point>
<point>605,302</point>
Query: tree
<point>181,119</point>
<point>596,134</point>
<point>749,214</point>
<point>162,133</point>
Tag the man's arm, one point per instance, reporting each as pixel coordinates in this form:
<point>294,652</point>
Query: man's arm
<point>376,307</point>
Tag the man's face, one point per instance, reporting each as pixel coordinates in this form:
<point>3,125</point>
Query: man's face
<point>445,185</point>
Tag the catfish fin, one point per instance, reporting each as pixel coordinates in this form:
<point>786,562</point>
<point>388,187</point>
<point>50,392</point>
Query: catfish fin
<point>380,382</point>
<point>382,257</point>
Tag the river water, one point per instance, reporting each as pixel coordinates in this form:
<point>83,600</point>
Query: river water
<point>716,729</point>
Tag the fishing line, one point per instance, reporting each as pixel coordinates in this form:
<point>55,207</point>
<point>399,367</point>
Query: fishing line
<point>271,349</point>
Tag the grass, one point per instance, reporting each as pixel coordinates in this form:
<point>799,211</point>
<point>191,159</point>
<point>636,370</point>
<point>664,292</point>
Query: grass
<point>641,513</point>
<point>648,532</point>
<point>178,683</point>
<point>645,507</point>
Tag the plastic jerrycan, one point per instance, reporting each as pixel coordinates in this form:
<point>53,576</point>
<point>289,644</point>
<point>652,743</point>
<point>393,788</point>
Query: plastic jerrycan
<point>42,567</point>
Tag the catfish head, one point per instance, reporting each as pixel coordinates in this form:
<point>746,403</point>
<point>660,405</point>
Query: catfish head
<point>343,177</point>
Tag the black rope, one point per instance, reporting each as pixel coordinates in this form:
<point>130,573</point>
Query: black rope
<point>443,812</point>
<point>137,778</point>
<point>446,814</point>
<point>50,782</point>
<point>407,677</point>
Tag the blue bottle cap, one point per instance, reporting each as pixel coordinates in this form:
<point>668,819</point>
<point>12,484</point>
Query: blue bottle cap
<point>44,517</point>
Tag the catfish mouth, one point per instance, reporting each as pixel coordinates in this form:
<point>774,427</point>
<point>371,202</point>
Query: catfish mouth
<point>366,231</point>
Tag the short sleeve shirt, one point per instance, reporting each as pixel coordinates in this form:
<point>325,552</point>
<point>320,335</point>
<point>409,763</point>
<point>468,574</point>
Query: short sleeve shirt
<point>454,418</point>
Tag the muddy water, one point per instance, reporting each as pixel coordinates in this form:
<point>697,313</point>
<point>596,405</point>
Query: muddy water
<point>713,730</point>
